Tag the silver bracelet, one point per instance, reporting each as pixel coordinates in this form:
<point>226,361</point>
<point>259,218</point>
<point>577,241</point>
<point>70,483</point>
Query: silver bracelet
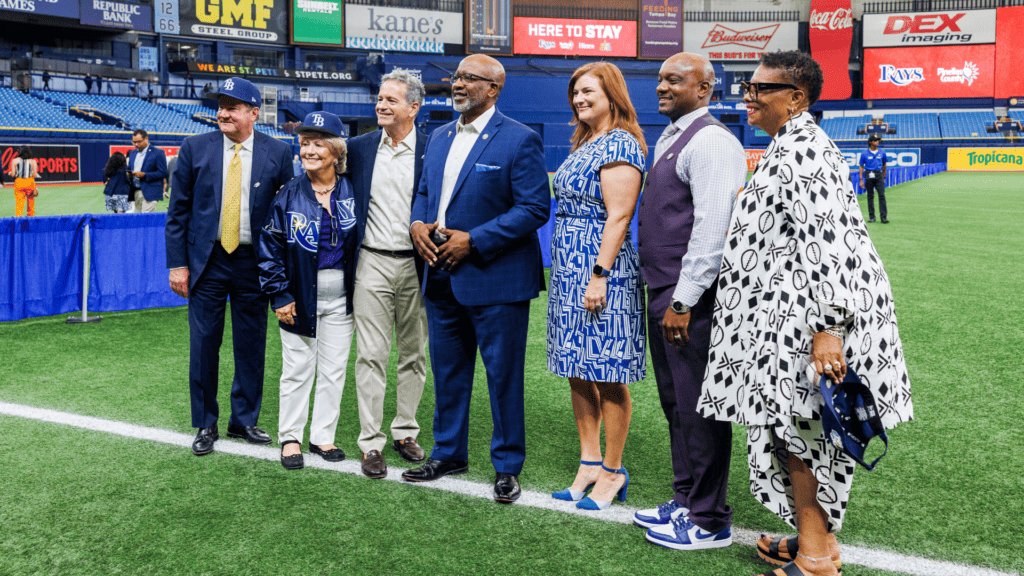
<point>837,331</point>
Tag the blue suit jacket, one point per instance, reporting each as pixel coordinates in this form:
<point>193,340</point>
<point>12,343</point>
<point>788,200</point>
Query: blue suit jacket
<point>155,167</point>
<point>362,155</point>
<point>193,213</point>
<point>501,198</point>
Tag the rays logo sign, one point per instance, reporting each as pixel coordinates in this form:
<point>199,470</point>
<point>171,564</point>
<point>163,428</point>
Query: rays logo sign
<point>901,76</point>
<point>303,232</point>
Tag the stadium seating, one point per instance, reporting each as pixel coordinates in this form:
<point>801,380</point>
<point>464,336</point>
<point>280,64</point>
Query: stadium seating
<point>19,110</point>
<point>1017,115</point>
<point>845,128</point>
<point>136,113</point>
<point>967,125</point>
<point>920,126</point>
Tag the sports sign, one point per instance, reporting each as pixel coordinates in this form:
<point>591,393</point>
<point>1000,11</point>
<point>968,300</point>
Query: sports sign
<point>562,37</point>
<point>62,8</point>
<point>986,159</point>
<point>56,163</point>
<point>739,41</point>
<point>126,14</point>
<point>401,29</point>
<point>317,22</point>
<point>263,21</point>
<point>930,28</point>
<point>661,28</point>
<point>944,71</point>
<point>831,33</point>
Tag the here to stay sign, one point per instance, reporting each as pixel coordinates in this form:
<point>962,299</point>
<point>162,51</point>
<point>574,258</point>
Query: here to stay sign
<point>564,37</point>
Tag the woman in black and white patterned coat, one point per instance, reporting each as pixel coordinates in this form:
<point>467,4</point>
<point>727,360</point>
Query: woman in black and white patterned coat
<point>801,292</point>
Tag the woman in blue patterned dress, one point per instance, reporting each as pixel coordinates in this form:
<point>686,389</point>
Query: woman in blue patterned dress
<point>595,307</point>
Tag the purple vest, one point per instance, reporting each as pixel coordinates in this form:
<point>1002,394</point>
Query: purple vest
<point>665,216</point>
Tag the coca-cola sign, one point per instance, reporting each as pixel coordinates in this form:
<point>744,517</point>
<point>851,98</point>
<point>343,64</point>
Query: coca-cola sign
<point>930,28</point>
<point>831,34</point>
<point>838,19</point>
<point>731,41</point>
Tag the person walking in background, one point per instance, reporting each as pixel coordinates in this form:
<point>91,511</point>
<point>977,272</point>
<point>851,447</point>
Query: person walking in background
<point>192,86</point>
<point>873,160</point>
<point>110,86</point>
<point>115,184</point>
<point>25,170</point>
<point>803,293</point>
<point>46,79</point>
<point>683,218</point>
<point>595,335</point>
<point>99,84</point>
<point>149,169</point>
<point>386,165</point>
<point>483,195</point>
<point>88,83</point>
<point>133,87</point>
<point>223,186</point>
<point>307,259</point>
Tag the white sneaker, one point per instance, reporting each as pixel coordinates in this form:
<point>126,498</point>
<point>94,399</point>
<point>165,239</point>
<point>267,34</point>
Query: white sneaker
<point>663,514</point>
<point>681,534</point>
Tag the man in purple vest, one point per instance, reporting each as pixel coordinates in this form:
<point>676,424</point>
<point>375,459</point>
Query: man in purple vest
<point>698,167</point>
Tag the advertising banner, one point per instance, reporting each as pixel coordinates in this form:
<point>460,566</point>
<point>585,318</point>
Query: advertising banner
<point>986,159</point>
<point>317,22</point>
<point>661,28</point>
<point>930,28</point>
<point>401,29</point>
<point>263,21</point>
<point>117,14</point>
<point>739,41</point>
<point>169,150</point>
<point>490,26</point>
<point>753,157</point>
<point>894,157</point>
<point>56,163</point>
<point>938,72</point>
<point>563,37</point>
<point>62,8</point>
<point>253,71</point>
<point>831,33</point>
<point>1009,47</point>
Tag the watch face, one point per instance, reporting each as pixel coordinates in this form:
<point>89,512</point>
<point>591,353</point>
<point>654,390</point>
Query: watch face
<point>677,306</point>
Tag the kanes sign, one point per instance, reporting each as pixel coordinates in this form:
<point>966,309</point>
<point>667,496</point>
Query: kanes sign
<point>930,28</point>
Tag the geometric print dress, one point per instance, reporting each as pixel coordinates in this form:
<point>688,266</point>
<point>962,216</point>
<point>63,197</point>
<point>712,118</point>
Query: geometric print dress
<point>797,260</point>
<point>609,346</point>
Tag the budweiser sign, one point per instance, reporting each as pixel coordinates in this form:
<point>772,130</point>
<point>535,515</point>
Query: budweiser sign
<point>754,38</point>
<point>838,19</point>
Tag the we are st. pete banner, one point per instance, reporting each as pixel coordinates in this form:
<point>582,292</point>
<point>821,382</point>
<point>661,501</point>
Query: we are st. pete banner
<point>985,159</point>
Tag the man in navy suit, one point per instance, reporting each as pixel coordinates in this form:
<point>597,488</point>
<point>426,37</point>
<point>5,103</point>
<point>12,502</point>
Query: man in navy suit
<point>385,167</point>
<point>148,165</point>
<point>483,194</point>
<point>223,186</point>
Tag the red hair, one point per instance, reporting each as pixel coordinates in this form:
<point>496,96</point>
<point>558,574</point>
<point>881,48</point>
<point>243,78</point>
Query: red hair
<point>621,108</point>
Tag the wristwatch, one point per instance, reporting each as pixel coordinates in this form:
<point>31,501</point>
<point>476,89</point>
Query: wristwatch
<point>680,308</point>
<point>601,271</point>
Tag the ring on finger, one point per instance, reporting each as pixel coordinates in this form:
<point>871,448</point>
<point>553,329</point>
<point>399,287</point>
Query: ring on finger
<point>828,367</point>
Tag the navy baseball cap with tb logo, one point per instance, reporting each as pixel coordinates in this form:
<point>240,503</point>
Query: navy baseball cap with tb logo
<point>239,89</point>
<point>323,123</point>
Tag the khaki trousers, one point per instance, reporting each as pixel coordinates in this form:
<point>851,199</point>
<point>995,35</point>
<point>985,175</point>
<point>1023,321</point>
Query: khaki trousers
<point>387,301</point>
<point>143,205</point>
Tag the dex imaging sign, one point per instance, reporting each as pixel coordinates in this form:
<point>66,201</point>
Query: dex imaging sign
<point>930,28</point>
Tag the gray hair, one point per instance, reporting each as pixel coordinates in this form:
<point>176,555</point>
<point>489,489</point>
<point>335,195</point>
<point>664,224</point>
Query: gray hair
<point>413,85</point>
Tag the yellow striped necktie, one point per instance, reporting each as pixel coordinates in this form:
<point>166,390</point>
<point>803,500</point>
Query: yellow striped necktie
<point>231,215</point>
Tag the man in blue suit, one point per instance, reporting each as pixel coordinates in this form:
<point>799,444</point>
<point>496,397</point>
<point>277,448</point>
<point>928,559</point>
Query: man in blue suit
<point>223,187</point>
<point>385,167</point>
<point>149,168</point>
<point>483,194</point>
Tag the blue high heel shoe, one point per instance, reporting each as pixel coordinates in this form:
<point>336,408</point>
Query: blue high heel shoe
<point>590,504</point>
<point>570,495</point>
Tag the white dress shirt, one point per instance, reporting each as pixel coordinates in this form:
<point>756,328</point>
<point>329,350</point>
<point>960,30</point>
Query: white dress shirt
<point>715,167</point>
<point>137,166</point>
<point>391,190</point>
<point>465,138</point>
<point>245,154</point>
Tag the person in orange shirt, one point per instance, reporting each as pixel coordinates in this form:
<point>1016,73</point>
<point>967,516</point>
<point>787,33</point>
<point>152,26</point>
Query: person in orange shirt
<point>24,169</point>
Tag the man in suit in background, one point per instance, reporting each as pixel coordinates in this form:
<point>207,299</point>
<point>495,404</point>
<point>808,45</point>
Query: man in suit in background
<point>385,167</point>
<point>148,165</point>
<point>223,186</point>
<point>483,195</point>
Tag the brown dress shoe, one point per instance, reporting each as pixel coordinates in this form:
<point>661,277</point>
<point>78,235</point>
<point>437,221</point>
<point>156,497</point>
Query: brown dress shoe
<point>409,449</point>
<point>374,465</point>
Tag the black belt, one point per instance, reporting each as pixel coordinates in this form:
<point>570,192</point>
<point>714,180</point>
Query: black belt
<point>392,253</point>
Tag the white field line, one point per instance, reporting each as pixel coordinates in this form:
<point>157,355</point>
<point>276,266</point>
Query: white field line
<point>861,556</point>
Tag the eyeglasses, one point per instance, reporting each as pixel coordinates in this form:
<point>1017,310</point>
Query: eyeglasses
<point>754,88</point>
<point>466,78</point>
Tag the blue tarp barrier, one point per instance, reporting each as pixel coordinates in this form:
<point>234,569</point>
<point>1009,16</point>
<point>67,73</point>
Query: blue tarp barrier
<point>900,175</point>
<point>40,266</point>
<point>128,268</point>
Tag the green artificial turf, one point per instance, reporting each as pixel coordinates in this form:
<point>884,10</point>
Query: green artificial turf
<point>950,488</point>
<point>61,200</point>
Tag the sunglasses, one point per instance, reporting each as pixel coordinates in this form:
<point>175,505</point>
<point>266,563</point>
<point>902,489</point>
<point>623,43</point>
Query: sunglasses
<point>755,88</point>
<point>466,78</point>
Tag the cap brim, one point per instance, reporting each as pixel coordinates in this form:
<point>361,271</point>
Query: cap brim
<point>217,95</point>
<point>313,130</point>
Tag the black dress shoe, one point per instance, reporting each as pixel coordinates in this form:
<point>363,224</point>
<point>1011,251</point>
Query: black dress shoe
<point>885,220</point>
<point>434,469</point>
<point>332,455</point>
<point>506,488</point>
<point>293,462</point>
<point>205,438</point>
<point>250,434</point>
<point>871,220</point>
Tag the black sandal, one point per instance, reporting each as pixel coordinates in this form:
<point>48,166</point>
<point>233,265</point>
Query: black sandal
<point>332,455</point>
<point>777,557</point>
<point>293,462</point>
<point>790,569</point>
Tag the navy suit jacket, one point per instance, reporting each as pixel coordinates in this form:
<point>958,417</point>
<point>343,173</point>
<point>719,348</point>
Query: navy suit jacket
<point>193,213</point>
<point>155,167</point>
<point>501,198</point>
<point>362,155</point>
